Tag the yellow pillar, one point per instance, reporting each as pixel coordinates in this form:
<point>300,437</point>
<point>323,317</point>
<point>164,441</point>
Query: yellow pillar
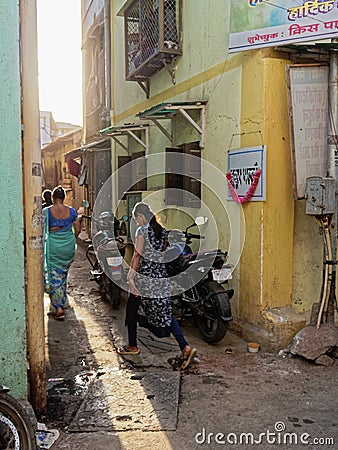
<point>32,203</point>
<point>267,258</point>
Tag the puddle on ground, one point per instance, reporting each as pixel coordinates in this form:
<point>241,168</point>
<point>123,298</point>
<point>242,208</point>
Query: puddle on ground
<point>70,386</point>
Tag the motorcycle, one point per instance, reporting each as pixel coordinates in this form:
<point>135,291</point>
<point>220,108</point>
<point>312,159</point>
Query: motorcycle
<point>105,255</point>
<point>197,281</point>
<point>16,427</point>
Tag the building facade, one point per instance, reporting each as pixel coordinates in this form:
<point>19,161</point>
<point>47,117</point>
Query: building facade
<point>176,89</point>
<point>56,171</point>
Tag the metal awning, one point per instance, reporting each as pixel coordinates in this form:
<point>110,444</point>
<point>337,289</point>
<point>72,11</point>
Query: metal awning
<point>124,7</point>
<point>128,130</point>
<point>102,145</point>
<point>166,111</point>
<point>319,51</point>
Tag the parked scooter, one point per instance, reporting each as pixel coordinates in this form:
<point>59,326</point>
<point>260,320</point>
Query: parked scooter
<point>197,281</point>
<point>105,255</point>
<point>16,428</point>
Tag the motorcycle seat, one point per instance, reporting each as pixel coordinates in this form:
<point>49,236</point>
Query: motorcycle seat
<point>204,254</point>
<point>200,257</point>
<point>193,258</point>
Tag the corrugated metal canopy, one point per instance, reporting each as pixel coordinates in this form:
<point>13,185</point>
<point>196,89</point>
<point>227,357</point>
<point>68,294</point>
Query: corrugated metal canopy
<point>122,129</point>
<point>128,130</point>
<point>102,145</point>
<point>168,110</point>
<point>319,51</point>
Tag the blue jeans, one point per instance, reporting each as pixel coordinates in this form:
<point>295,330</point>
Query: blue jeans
<point>178,333</point>
<point>133,304</point>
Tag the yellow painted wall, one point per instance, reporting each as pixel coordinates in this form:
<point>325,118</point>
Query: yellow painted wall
<point>308,253</point>
<point>247,105</point>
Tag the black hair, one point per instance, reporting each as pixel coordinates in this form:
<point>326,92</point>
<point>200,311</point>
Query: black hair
<point>143,208</point>
<point>47,197</point>
<point>59,192</point>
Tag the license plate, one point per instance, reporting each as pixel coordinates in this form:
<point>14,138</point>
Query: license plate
<point>115,261</point>
<point>222,274</point>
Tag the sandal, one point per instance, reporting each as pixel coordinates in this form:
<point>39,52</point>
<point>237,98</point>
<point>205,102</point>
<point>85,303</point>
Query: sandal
<point>59,314</point>
<point>125,351</point>
<point>60,317</point>
<point>188,359</point>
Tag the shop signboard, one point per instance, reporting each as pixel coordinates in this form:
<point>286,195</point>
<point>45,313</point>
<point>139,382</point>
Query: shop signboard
<point>308,113</point>
<point>265,23</point>
<point>243,165</point>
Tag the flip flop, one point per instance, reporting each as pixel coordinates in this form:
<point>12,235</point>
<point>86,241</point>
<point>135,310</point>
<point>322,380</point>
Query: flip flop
<point>189,359</point>
<point>124,351</point>
<point>60,317</point>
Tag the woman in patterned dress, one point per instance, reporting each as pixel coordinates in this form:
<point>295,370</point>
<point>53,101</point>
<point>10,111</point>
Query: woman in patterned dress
<point>149,301</point>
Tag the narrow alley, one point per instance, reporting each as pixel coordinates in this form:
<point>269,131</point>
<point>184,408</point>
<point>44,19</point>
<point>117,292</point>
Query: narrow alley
<point>98,400</point>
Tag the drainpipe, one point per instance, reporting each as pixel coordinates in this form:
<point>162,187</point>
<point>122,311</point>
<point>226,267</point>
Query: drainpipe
<point>108,81</point>
<point>32,204</point>
<point>107,61</point>
<point>332,148</point>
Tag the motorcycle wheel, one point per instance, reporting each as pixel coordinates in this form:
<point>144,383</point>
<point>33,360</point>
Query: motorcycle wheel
<point>91,257</point>
<point>212,328</point>
<point>105,288</point>
<point>115,296</point>
<point>16,429</point>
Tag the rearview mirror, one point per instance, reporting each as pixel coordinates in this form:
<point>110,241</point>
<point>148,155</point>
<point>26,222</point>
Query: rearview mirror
<point>201,220</point>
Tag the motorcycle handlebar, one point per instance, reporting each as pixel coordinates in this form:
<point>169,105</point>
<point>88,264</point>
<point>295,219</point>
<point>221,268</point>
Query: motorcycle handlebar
<point>194,236</point>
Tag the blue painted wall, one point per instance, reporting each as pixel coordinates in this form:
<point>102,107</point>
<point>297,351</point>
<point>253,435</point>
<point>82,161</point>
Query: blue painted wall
<point>13,359</point>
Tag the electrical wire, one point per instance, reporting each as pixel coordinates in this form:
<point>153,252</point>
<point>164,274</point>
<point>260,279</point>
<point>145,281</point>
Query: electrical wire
<point>331,119</point>
<point>328,269</point>
<point>45,129</point>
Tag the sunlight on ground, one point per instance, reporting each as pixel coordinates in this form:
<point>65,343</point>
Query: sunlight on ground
<point>46,302</point>
<point>118,400</point>
<point>158,441</point>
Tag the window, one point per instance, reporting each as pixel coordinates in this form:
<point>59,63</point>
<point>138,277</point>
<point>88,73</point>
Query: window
<point>132,178</point>
<point>152,36</point>
<point>183,189</point>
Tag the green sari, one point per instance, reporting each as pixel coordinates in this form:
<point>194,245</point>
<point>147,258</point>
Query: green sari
<point>59,253</point>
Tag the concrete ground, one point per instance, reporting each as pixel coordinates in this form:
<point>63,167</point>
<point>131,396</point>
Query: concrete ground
<point>229,397</point>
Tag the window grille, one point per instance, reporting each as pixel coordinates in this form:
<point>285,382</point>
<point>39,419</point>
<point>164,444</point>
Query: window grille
<point>152,36</point>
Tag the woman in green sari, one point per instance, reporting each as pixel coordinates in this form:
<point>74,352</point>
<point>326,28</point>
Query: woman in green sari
<point>61,227</point>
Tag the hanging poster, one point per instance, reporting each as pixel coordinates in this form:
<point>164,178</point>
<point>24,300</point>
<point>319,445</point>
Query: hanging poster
<point>266,23</point>
<point>243,165</point>
<point>308,106</point>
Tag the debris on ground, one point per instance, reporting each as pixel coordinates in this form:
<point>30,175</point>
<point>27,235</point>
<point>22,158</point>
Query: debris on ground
<point>318,345</point>
<point>45,438</point>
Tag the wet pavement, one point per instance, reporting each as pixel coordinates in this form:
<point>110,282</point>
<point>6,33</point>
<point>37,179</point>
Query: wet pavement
<point>98,399</point>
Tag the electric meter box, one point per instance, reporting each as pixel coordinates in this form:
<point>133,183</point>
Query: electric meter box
<point>320,195</point>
